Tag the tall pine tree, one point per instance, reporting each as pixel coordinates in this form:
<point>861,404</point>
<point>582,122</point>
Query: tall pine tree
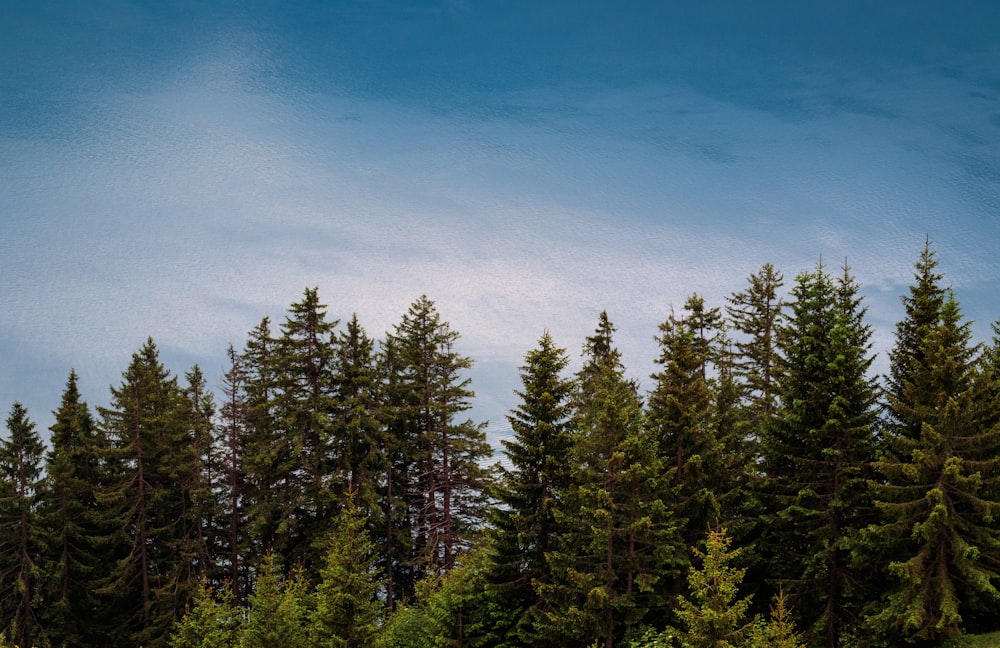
<point>21,456</point>
<point>818,450</point>
<point>524,528</point>
<point>939,492</point>
<point>617,542</point>
<point>68,512</point>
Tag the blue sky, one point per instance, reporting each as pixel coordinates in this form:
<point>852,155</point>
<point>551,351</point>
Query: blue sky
<point>179,170</point>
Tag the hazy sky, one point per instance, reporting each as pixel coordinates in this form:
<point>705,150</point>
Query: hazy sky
<point>181,169</point>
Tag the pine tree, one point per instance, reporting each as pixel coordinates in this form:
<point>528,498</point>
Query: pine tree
<point>278,612</point>
<point>940,478</point>
<point>818,450</point>
<point>618,542</point>
<point>230,441</point>
<point>152,577</point>
<point>713,616</point>
<point>68,516</point>
<point>21,456</point>
<point>358,434</point>
<point>755,313</point>
<point>447,487</point>
<point>304,405</point>
<point>267,454</point>
<point>682,415</point>
<point>347,612</point>
<point>523,526</point>
<point>212,621</point>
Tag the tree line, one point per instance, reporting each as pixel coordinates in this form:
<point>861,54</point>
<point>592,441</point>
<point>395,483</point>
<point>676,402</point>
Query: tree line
<point>334,491</point>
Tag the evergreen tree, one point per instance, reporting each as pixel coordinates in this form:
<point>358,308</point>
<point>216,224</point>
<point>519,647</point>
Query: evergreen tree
<point>278,612</point>
<point>347,612</point>
<point>200,537</point>
<point>523,526</point>
<point>304,405</point>
<point>68,516</point>
<point>713,616</point>
<point>818,451</point>
<point>230,443</point>
<point>940,475</point>
<point>21,456</point>
<point>395,534</point>
<point>152,577</point>
<point>682,415</point>
<point>268,454</point>
<point>446,488</point>
<point>755,314</point>
<point>618,542</point>
<point>358,435</point>
<point>212,621</point>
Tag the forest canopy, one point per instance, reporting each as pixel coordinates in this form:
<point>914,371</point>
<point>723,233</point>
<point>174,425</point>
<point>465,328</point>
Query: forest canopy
<point>767,490</point>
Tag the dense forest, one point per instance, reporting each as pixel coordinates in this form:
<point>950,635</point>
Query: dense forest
<point>768,490</point>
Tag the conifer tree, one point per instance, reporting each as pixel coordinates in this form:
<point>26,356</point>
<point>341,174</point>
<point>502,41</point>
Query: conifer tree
<point>712,616</point>
<point>447,487</point>
<point>617,542</point>
<point>303,407</point>
<point>818,450</point>
<point>394,536</point>
<point>152,577</point>
<point>523,526</point>
<point>278,612</point>
<point>200,536</point>
<point>68,514</point>
<point>212,621</point>
<point>347,613</point>
<point>268,454</point>
<point>230,442</point>
<point>21,456</point>
<point>681,413</point>
<point>358,434</point>
<point>940,476</point>
<point>755,314</point>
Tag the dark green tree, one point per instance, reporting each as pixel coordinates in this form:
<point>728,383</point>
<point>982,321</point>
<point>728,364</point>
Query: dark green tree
<point>267,455</point>
<point>447,485</point>
<point>68,513</point>
<point>755,314</point>
<point>149,499</point>
<point>939,491</point>
<point>681,413</point>
<point>523,526</point>
<point>818,451</point>
<point>358,434</point>
<point>617,542</point>
<point>303,405</point>
<point>21,456</point>
<point>230,488</point>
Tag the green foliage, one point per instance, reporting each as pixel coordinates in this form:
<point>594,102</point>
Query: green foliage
<point>70,555</point>
<point>358,473</point>
<point>347,613</point>
<point>524,528</point>
<point>940,487</point>
<point>279,610</point>
<point>779,631</point>
<point>212,621</point>
<point>21,454</point>
<point>714,616</point>
<point>617,543</point>
<point>817,453</point>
